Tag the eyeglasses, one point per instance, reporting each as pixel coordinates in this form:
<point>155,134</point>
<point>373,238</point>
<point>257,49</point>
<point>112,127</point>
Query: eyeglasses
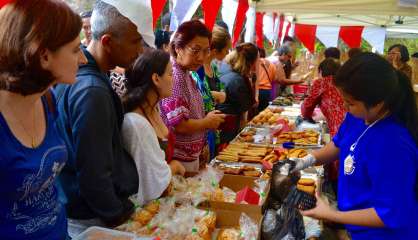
<point>394,53</point>
<point>197,51</point>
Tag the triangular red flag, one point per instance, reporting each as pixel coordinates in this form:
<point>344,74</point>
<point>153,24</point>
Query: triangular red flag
<point>259,29</point>
<point>239,20</point>
<point>157,8</point>
<point>287,29</point>
<point>351,35</point>
<point>306,35</point>
<point>210,11</point>
<point>281,23</point>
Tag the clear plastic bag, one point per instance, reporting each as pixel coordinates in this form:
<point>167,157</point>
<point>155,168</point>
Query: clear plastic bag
<point>249,229</point>
<point>229,195</point>
<point>198,188</point>
<point>260,188</point>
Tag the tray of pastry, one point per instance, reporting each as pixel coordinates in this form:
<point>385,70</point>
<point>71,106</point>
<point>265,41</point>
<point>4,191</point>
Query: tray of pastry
<point>267,117</point>
<point>243,169</point>
<point>244,152</point>
<point>307,138</point>
<point>256,135</point>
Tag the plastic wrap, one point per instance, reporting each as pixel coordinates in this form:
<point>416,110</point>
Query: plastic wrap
<point>312,228</point>
<point>229,195</point>
<point>260,188</point>
<point>249,229</point>
<point>197,189</point>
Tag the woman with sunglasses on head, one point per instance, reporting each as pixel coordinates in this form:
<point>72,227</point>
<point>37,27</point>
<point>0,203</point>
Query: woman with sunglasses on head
<point>377,148</point>
<point>37,38</point>
<point>145,135</point>
<point>183,110</point>
<point>236,73</point>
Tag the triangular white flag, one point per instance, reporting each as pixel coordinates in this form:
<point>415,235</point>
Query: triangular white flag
<point>285,26</point>
<point>229,12</point>
<point>268,26</point>
<point>328,35</point>
<point>276,28</point>
<point>375,36</point>
<point>183,11</point>
<point>250,25</point>
<point>140,13</point>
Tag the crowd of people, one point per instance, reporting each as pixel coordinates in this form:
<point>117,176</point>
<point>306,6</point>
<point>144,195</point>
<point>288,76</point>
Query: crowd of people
<point>87,125</point>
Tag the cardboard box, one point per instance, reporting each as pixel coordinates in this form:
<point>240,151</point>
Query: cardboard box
<point>229,218</point>
<point>237,183</point>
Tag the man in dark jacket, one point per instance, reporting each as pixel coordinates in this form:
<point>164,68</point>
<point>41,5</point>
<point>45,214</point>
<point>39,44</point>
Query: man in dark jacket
<point>99,176</point>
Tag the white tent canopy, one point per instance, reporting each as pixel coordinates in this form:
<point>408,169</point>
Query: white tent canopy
<point>399,21</point>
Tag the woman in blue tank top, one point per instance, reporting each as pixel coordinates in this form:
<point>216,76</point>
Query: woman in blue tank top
<point>39,47</point>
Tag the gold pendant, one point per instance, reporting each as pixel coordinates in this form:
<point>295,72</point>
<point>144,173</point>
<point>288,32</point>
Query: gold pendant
<point>33,143</point>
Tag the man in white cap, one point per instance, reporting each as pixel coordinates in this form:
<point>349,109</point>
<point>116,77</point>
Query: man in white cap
<point>99,175</point>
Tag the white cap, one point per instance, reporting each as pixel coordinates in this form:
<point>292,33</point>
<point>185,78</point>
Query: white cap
<point>139,12</point>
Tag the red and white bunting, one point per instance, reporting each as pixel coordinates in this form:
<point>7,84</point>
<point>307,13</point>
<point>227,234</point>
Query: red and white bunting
<point>157,9</point>
<point>306,35</point>
<point>375,36</point>
<point>183,11</point>
<point>239,20</point>
<point>250,25</point>
<point>351,35</point>
<point>229,11</point>
<point>328,35</point>
<point>210,11</point>
<point>259,36</point>
<point>268,27</point>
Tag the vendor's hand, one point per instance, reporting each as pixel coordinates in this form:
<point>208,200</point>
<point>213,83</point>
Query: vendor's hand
<point>177,168</point>
<point>322,210</point>
<point>305,162</point>
<point>214,119</point>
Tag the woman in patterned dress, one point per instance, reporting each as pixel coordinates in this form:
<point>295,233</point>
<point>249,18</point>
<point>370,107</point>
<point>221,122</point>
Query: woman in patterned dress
<point>184,110</point>
<point>326,95</point>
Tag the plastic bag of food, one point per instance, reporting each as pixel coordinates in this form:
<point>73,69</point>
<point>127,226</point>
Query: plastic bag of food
<point>229,195</point>
<point>260,188</point>
<point>249,229</point>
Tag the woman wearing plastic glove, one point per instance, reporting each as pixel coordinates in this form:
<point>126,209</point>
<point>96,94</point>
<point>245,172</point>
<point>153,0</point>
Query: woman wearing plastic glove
<point>377,147</point>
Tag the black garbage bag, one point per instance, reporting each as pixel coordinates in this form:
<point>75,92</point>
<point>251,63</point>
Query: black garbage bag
<point>300,200</point>
<point>282,179</point>
<point>285,224</point>
<point>282,219</point>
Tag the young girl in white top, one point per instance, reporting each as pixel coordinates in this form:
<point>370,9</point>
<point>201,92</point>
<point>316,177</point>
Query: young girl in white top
<point>149,80</point>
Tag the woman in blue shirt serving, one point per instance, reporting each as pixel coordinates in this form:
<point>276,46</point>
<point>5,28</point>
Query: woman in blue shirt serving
<point>377,148</point>
<point>39,47</point>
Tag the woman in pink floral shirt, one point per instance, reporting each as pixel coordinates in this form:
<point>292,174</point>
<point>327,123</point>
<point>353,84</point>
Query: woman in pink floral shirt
<point>184,109</point>
<point>325,94</point>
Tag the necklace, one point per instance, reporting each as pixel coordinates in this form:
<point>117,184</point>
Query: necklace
<point>32,137</point>
<point>364,132</point>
